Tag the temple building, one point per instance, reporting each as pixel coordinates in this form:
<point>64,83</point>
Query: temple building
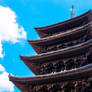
<point>64,58</point>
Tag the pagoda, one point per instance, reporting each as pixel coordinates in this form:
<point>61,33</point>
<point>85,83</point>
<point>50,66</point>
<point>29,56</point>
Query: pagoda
<point>64,58</point>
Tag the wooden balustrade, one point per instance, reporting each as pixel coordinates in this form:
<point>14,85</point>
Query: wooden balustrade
<point>71,63</point>
<point>74,86</point>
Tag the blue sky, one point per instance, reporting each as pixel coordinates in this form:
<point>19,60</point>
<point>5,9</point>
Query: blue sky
<point>22,17</point>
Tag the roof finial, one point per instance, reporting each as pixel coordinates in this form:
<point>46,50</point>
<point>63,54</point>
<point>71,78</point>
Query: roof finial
<point>72,12</point>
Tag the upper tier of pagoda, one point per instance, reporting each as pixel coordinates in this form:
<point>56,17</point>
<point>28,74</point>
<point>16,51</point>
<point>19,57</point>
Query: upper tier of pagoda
<point>64,26</point>
<point>62,81</point>
<point>63,39</point>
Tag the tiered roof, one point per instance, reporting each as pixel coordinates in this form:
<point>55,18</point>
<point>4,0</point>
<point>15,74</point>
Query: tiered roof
<point>67,60</point>
<point>34,61</point>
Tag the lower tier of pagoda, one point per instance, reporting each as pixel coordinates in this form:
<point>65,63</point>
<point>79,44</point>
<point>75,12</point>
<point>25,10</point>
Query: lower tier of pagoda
<point>75,80</point>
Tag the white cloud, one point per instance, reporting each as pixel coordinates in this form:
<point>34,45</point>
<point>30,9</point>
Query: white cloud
<point>2,69</point>
<point>10,30</point>
<point>5,84</point>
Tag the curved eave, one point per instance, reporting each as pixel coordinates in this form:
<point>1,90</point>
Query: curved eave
<point>41,30</point>
<point>36,44</point>
<point>70,75</point>
<point>61,52</point>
